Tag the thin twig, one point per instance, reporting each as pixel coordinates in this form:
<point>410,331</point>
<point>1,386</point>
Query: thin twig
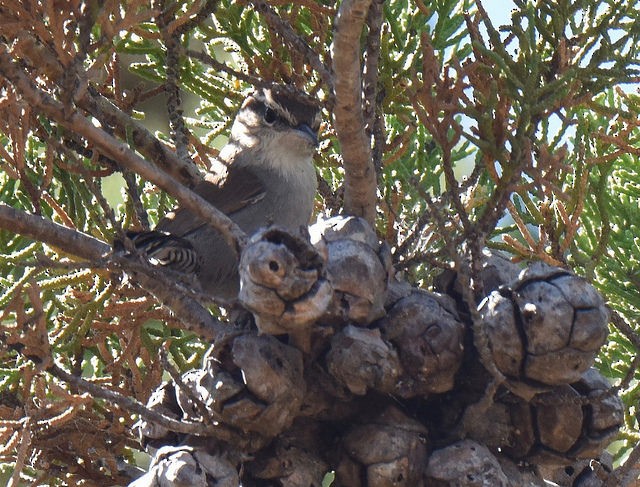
<point>435,214</point>
<point>145,142</point>
<point>379,137</point>
<point>23,452</point>
<point>214,63</point>
<point>179,131</point>
<point>626,329</point>
<point>138,207</point>
<point>132,405</point>
<point>207,9</point>
<point>626,475</point>
<point>295,41</point>
<point>332,200</point>
<point>176,376</point>
<point>195,317</point>
<point>436,260</point>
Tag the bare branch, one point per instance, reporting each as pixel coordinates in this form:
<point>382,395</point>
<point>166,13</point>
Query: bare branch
<point>179,130</point>
<point>134,406</point>
<point>125,127</point>
<point>625,328</point>
<point>134,194</point>
<point>373,96</point>
<point>360,177</point>
<point>118,151</point>
<point>23,451</point>
<point>371,70</point>
<point>177,298</point>
<point>193,315</point>
<point>39,228</point>
<point>626,475</point>
<point>332,200</point>
<point>205,11</point>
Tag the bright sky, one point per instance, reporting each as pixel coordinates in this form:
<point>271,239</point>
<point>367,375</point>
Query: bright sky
<point>499,10</point>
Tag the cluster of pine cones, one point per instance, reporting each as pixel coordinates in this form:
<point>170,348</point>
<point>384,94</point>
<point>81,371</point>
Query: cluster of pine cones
<point>382,384</point>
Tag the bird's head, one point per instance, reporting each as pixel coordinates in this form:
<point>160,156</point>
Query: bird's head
<point>275,126</point>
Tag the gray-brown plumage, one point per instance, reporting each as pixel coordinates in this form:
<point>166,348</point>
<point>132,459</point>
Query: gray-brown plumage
<point>265,176</point>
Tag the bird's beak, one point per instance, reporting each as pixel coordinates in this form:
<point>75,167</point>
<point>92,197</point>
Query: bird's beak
<point>308,133</point>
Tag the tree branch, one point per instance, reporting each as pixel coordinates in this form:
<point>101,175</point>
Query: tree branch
<point>194,316</point>
<point>109,115</point>
<point>149,146</point>
<point>371,68</point>
<point>41,229</point>
<point>118,151</point>
<point>626,475</point>
<point>360,177</point>
<point>134,406</point>
<point>179,131</point>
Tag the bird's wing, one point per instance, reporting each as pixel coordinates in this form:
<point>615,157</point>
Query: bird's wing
<point>230,192</point>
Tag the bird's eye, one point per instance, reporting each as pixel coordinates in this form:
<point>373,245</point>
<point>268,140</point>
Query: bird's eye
<point>270,116</point>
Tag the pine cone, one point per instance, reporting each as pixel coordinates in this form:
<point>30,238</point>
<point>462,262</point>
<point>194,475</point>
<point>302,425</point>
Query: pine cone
<point>357,267</point>
<point>546,328</point>
<point>425,330</point>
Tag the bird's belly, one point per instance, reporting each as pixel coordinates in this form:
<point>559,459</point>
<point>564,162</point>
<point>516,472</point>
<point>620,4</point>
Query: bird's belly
<point>218,270</point>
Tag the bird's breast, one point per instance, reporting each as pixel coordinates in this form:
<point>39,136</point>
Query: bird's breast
<point>288,200</point>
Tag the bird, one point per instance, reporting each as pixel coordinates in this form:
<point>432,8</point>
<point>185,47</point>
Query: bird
<point>264,176</point>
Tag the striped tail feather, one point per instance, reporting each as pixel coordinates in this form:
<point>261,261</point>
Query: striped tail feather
<point>166,250</point>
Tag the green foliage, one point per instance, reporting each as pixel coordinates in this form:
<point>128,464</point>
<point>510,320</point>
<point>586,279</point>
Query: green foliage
<point>607,248</point>
<point>516,136</point>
